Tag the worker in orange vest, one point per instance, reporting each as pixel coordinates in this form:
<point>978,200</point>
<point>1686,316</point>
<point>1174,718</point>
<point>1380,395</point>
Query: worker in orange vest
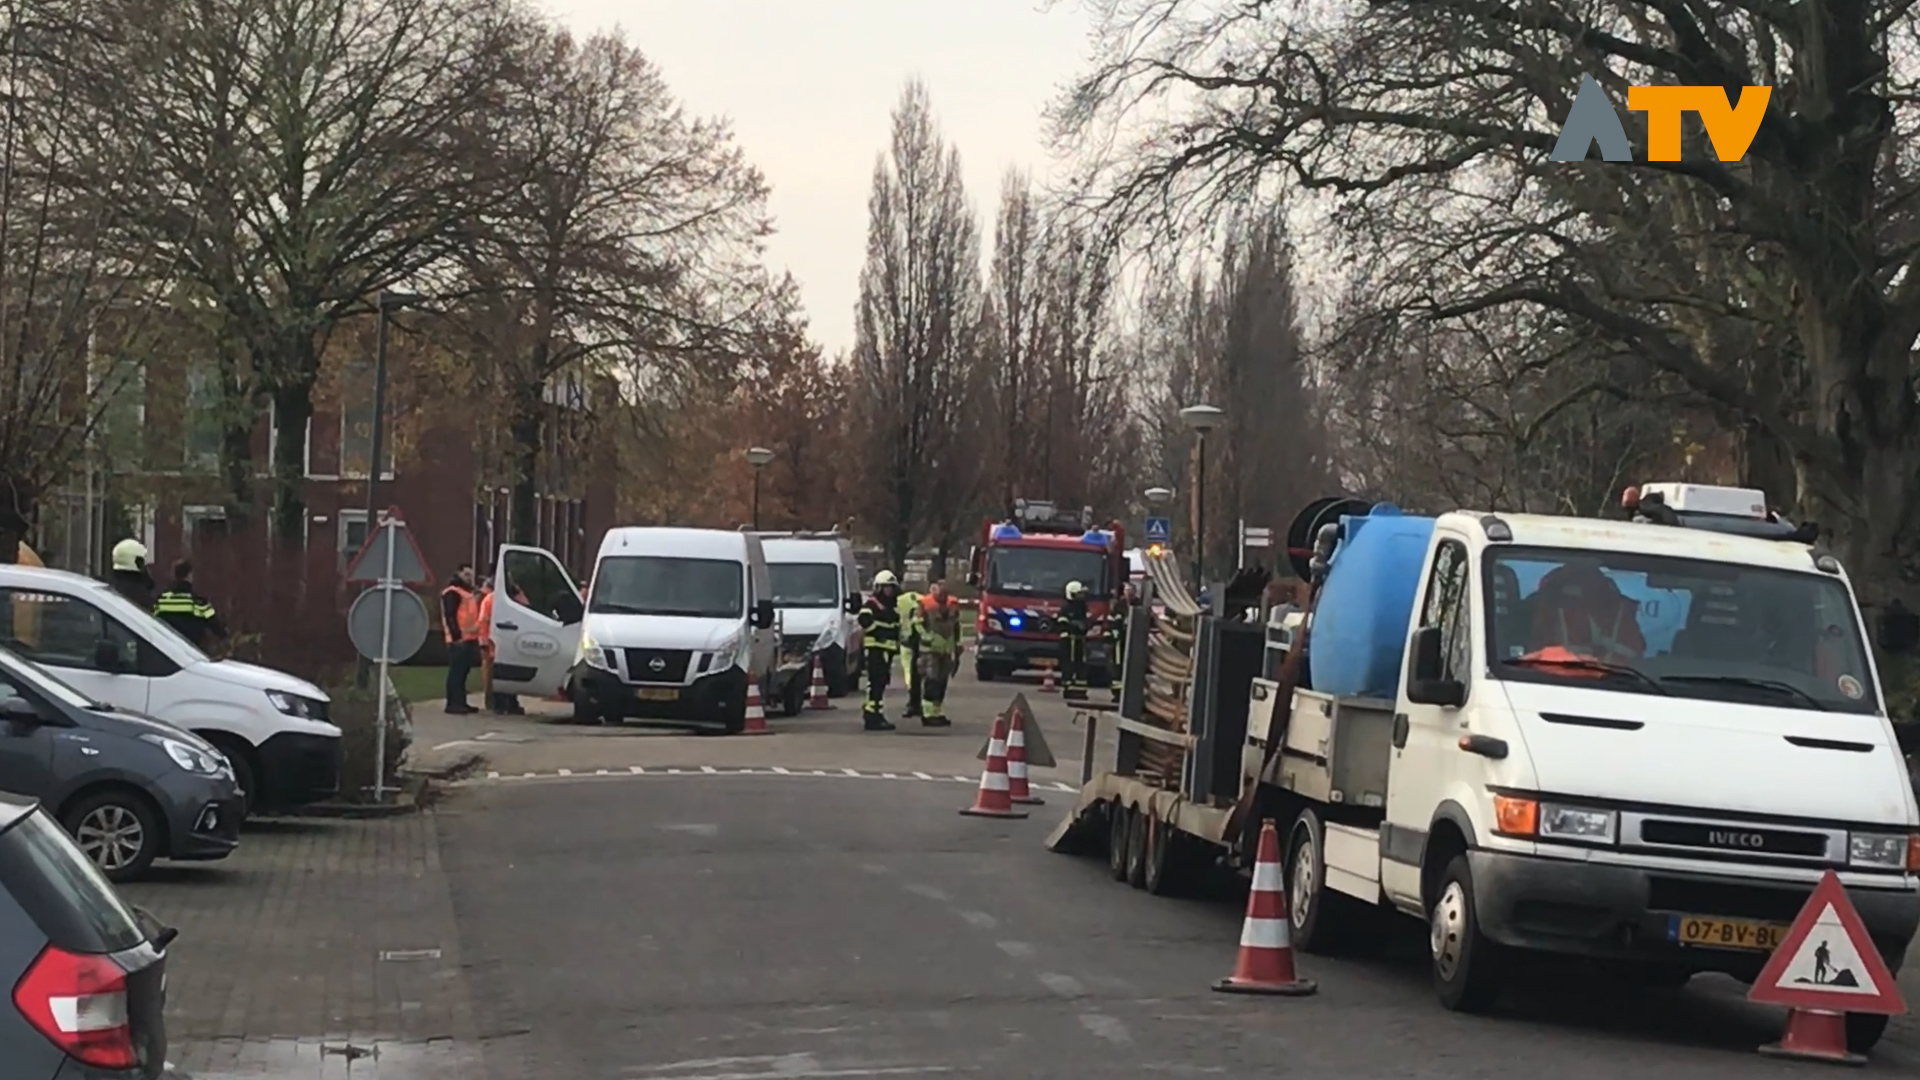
<point>501,704</point>
<point>460,618</point>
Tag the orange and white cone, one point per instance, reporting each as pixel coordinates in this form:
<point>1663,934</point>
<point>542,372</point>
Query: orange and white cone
<point>995,797</point>
<point>1046,681</point>
<point>756,712</point>
<point>1017,789</point>
<point>1266,940</point>
<point>817,693</point>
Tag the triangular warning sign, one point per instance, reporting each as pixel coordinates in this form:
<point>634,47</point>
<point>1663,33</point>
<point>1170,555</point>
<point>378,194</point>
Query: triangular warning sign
<point>1039,754</point>
<point>1828,961</point>
<point>409,565</point>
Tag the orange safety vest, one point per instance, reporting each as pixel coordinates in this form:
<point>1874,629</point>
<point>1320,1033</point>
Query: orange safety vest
<point>485,632</point>
<point>469,613</point>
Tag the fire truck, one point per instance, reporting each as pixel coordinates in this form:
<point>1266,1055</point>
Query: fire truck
<point>1021,566</point>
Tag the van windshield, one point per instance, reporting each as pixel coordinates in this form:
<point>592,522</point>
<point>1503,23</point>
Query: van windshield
<point>805,585</point>
<point>1691,628</point>
<point>668,585</point>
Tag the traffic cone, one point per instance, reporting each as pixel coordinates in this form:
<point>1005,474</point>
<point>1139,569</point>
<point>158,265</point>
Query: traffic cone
<point>1017,789</point>
<point>817,693</point>
<point>1814,1035</point>
<point>756,712</point>
<point>994,798</point>
<point>1046,681</point>
<point>1266,940</point>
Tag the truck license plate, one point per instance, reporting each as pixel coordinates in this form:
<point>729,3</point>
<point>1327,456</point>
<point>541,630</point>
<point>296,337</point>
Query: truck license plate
<point>1725,933</point>
<point>655,693</point>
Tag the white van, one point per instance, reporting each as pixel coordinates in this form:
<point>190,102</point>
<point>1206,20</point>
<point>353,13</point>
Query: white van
<point>675,624</point>
<point>816,589</point>
<point>272,726</point>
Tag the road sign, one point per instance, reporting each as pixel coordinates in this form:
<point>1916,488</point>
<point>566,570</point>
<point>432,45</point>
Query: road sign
<point>1159,530</point>
<point>410,623</point>
<point>407,563</point>
<point>1828,962</point>
<point>1256,536</point>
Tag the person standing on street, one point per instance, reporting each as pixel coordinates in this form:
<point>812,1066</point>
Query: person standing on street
<point>910,646</point>
<point>187,611</point>
<point>1074,624</point>
<point>460,616</point>
<point>500,704</point>
<point>939,654</point>
<point>1119,610</point>
<point>129,576</point>
<point>880,631</point>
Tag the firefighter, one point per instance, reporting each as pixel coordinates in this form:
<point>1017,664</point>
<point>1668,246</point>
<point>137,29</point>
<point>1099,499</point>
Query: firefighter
<point>880,633</point>
<point>1117,614</point>
<point>130,577</point>
<point>910,648</point>
<point>187,611</point>
<point>1074,624</point>
<point>939,652</point>
<point>460,617</point>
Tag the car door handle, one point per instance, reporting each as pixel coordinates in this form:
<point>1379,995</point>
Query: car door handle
<point>506,626</point>
<point>1400,726</point>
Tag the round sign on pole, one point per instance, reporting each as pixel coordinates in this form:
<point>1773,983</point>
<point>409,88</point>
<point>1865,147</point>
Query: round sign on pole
<point>410,624</point>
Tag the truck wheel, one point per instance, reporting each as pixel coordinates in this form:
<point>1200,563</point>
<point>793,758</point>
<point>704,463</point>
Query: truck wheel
<point>985,672</point>
<point>1139,831</point>
<point>1322,919</point>
<point>585,711</point>
<point>1165,847</point>
<point>1466,966</point>
<point>1864,1031</point>
<point>1119,830</point>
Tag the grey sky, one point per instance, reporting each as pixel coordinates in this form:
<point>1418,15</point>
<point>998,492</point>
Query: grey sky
<point>809,85</point>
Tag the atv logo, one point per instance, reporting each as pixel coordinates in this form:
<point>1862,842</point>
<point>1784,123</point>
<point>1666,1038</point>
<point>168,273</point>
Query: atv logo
<point>1592,120</point>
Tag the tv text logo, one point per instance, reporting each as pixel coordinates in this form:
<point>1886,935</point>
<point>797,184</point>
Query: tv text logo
<point>1592,119</point>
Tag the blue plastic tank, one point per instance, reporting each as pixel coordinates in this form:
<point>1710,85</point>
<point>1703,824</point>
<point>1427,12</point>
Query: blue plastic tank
<point>1358,642</point>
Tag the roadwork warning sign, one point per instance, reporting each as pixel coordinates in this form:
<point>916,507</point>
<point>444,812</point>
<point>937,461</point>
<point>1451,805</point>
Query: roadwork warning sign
<point>1827,961</point>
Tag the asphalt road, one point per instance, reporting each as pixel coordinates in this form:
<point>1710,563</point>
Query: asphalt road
<point>730,927</point>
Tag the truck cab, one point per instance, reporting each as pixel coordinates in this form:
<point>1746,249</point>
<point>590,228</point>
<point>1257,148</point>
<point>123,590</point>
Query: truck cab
<point>1021,566</point>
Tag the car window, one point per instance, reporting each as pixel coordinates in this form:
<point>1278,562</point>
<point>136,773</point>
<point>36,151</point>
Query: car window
<point>64,895</point>
<point>61,630</point>
<point>534,576</point>
<point>17,675</point>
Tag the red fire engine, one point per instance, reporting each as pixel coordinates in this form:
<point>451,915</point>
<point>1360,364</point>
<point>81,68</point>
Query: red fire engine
<point>1022,566</point>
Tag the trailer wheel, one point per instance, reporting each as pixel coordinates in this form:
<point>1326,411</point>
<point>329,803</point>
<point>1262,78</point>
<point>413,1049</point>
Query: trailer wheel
<point>1164,848</point>
<point>1139,832</point>
<point>1466,966</point>
<point>1322,918</point>
<point>1119,826</point>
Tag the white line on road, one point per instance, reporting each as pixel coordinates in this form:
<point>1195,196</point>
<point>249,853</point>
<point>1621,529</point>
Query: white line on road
<point>889,776</point>
<point>1019,950</point>
<point>708,769</point>
<point>603,772</point>
<point>565,772</point>
<point>771,1067</point>
<point>851,772</point>
<point>1105,1027</point>
<point>980,919</point>
<point>495,776</point>
<point>963,779</point>
<point>782,771</point>
<point>637,770</point>
<point>1065,985</point>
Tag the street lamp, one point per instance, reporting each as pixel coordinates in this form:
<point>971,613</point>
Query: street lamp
<point>1158,496</point>
<point>1202,419</point>
<point>757,456</point>
<point>387,302</point>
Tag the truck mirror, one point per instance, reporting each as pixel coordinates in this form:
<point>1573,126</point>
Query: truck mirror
<point>109,658</point>
<point>1426,684</point>
<point>973,579</point>
<point>1908,738</point>
<point>853,604</point>
<point>1897,628</point>
<point>763,615</point>
<point>569,610</point>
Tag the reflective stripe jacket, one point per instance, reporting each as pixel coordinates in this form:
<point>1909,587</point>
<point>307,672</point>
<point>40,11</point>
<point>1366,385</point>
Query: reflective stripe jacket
<point>939,624</point>
<point>189,613</point>
<point>880,625</point>
<point>460,613</point>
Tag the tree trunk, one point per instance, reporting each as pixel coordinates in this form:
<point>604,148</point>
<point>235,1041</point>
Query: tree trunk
<point>292,409</point>
<point>523,430</point>
<point>236,436</point>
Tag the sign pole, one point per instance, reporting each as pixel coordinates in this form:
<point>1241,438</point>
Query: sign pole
<point>387,585</point>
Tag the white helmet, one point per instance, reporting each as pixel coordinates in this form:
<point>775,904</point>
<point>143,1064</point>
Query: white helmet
<point>131,555</point>
<point>1075,590</point>
<point>884,578</point>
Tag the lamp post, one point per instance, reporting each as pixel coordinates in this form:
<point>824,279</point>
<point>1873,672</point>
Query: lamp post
<point>385,304</point>
<point>1201,419</point>
<point>757,456</point>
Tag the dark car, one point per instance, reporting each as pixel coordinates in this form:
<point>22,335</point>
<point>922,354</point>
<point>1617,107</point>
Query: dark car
<point>129,788</point>
<point>87,972</point>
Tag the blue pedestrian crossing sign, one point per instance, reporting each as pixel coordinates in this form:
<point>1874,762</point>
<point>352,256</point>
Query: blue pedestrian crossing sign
<point>1159,530</point>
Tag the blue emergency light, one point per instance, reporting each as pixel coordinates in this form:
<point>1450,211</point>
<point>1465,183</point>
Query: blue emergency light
<point>1006,531</point>
<point>1015,621</point>
<point>1097,538</point>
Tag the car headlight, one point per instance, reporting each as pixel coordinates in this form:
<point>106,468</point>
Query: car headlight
<point>825,641</point>
<point>190,757</point>
<point>591,654</point>
<point>292,704</point>
<point>1533,820</point>
<point>994,624</point>
<point>1884,851</point>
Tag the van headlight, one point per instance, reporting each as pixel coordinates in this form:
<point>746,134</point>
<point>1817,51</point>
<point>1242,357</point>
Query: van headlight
<point>828,639</point>
<point>190,757</point>
<point>591,654</point>
<point>1530,819</point>
<point>1882,851</point>
<point>293,705</point>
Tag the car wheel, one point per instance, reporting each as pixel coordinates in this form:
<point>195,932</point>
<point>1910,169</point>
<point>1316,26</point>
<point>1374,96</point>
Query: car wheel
<point>117,830</point>
<point>1466,966</point>
<point>1119,828</point>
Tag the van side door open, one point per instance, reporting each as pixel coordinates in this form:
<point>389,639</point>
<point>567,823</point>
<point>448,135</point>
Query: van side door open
<point>536,622</point>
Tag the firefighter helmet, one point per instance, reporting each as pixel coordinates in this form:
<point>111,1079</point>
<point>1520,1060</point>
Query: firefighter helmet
<point>1075,590</point>
<point>130,555</point>
<point>884,578</point>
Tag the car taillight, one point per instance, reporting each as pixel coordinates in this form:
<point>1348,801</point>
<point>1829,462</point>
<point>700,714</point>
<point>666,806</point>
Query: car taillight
<point>80,1003</point>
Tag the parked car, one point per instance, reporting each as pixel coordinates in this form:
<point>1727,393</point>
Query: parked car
<point>129,788</point>
<point>273,728</point>
<point>87,971</point>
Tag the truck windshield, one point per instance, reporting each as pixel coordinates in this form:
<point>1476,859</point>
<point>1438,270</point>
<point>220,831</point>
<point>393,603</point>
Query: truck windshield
<point>1690,628</point>
<point>665,585</point>
<point>805,585</point>
<point>1045,571</point>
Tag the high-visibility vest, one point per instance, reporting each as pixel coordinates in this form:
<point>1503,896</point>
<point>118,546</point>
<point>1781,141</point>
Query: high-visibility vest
<point>485,631</point>
<point>468,613</point>
<point>880,626</point>
<point>939,623</point>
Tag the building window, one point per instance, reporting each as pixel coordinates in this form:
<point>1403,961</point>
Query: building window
<point>201,521</point>
<point>353,535</point>
<point>206,405</point>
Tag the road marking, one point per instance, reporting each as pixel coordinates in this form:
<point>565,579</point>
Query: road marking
<point>921,776</point>
<point>781,771</point>
<point>771,1067</point>
<point>889,776</point>
<point>708,769</point>
<point>1065,985</point>
<point>980,919</point>
<point>695,829</point>
<point>1019,950</point>
<point>851,772</point>
<point>927,891</point>
<point>603,772</point>
<point>1105,1027</point>
<point>637,770</point>
<point>566,772</point>
<point>494,776</point>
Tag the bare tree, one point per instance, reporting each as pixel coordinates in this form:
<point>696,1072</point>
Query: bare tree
<point>633,240</point>
<point>915,347</point>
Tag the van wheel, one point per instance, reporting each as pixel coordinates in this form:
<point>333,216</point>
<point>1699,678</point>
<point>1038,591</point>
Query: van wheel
<point>1119,831</point>
<point>1323,920</point>
<point>117,830</point>
<point>585,709</point>
<point>1864,1031</point>
<point>1466,966</point>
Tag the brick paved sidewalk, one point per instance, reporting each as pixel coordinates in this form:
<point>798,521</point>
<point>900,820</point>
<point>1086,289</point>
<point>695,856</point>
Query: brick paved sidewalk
<point>278,972</point>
